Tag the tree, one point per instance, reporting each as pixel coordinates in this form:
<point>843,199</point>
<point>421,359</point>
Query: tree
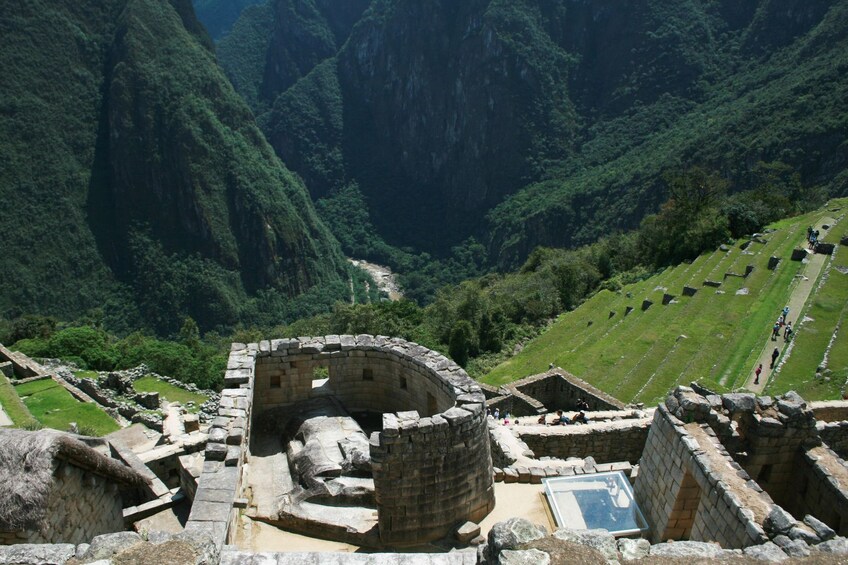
<point>462,342</point>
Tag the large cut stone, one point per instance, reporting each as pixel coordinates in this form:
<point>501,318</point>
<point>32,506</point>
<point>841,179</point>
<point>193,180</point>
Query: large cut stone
<point>836,545</point>
<point>739,402</point>
<point>632,549</point>
<point>779,521</point>
<point>688,549</point>
<point>822,530</point>
<point>768,551</point>
<point>524,557</point>
<point>598,539</point>
<point>107,545</point>
<point>512,533</point>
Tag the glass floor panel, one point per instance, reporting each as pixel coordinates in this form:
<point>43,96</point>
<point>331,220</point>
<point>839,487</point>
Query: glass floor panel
<point>602,500</point>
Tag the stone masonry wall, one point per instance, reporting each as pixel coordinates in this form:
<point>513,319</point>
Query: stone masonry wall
<point>220,482</point>
<point>835,435</point>
<point>431,462</point>
<point>830,410</point>
<point>606,442</point>
<point>683,496</point>
<point>81,505</point>
<point>558,389</point>
<point>431,474</point>
<point>821,488</point>
<point>366,373</point>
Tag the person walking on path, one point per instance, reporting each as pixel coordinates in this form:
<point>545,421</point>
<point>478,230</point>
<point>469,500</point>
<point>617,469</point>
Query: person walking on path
<point>774,355</point>
<point>787,332</point>
<point>757,374</point>
<point>775,331</point>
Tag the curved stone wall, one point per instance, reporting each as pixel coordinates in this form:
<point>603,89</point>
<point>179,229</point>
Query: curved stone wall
<point>431,461</point>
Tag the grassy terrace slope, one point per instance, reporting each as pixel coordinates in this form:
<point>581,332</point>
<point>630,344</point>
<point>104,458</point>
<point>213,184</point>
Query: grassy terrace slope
<point>712,337</point>
<point>55,408</point>
<point>821,342</point>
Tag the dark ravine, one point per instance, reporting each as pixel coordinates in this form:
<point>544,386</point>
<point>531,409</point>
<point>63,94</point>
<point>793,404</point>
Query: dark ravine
<point>546,123</point>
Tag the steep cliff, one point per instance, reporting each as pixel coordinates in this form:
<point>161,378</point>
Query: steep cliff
<point>138,180</point>
<point>531,122</point>
<point>292,36</point>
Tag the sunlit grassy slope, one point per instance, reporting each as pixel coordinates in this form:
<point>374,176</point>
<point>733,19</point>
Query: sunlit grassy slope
<point>55,408</point>
<point>711,337</point>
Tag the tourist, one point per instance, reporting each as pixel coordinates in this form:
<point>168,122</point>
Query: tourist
<point>497,414</point>
<point>774,355</point>
<point>775,331</point>
<point>785,312</point>
<point>582,404</point>
<point>506,418</point>
<point>581,418</point>
<point>787,333</point>
<point>757,372</point>
<point>563,419</point>
<point>541,419</point>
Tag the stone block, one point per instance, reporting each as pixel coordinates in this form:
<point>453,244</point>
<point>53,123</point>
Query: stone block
<point>820,528</point>
<point>739,402</point>
<point>216,451</point>
<point>233,456</point>
<point>513,533</point>
<point>37,553</point>
<point>537,474</point>
<point>825,248</point>
<point>689,291</point>
<point>768,551</point>
<point>107,545</point>
<point>798,254</point>
<point>773,262</point>
<point>467,531</point>
<point>524,557</point>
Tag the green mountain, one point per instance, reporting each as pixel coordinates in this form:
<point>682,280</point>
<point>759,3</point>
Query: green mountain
<point>218,16</point>
<point>528,122</point>
<point>135,181</point>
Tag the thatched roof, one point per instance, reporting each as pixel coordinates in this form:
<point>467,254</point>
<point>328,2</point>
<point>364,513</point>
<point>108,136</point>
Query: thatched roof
<point>26,472</point>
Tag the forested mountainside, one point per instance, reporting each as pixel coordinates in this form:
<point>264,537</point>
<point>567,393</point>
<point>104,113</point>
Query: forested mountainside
<point>136,187</point>
<point>531,122</point>
<point>219,15</point>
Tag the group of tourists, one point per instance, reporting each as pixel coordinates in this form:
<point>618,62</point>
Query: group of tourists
<point>782,324</point>
<point>786,327</point>
<point>560,419</point>
<point>812,237</point>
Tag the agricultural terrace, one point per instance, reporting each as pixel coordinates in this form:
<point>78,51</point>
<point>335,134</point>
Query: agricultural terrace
<point>54,407</point>
<point>712,336</point>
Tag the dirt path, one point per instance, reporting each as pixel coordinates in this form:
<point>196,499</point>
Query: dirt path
<point>809,275</point>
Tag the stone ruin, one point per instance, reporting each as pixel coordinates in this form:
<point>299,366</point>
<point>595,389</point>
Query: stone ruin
<point>383,443</point>
<point>367,424</point>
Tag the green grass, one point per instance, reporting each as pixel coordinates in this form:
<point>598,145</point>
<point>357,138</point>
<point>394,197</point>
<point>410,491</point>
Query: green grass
<point>828,310</point>
<point>55,408</point>
<point>170,392</point>
<point>86,374</point>
<point>13,406</point>
<point>641,356</point>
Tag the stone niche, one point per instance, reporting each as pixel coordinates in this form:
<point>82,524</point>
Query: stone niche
<point>431,460</point>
